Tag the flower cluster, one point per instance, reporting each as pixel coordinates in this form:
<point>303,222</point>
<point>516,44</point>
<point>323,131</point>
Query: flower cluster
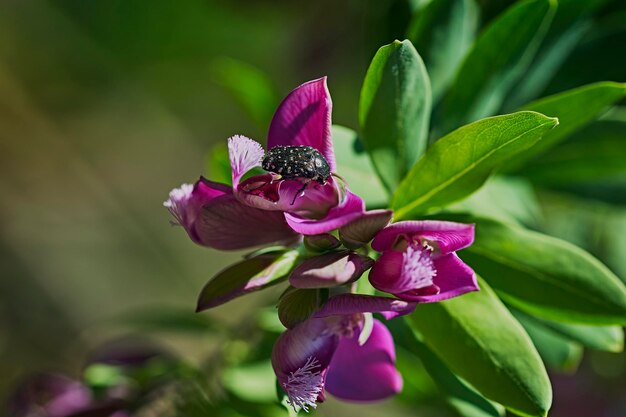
<point>338,346</point>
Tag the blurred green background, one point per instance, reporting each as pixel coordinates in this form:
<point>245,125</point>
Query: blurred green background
<point>107,105</point>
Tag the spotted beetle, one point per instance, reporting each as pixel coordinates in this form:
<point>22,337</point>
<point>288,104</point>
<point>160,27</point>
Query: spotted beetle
<point>292,162</point>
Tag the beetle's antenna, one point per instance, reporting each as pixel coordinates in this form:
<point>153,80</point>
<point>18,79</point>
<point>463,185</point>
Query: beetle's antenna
<point>298,192</point>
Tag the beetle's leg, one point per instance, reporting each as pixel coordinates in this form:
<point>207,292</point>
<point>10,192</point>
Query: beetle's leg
<point>299,191</point>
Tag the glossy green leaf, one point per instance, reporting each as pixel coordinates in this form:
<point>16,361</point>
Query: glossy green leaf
<point>500,56</point>
<point>574,109</point>
<point>608,338</point>
<point>249,275</point>
<point>460,162</point>
<point>250,87</point>
<point>394,110</point>
<point>479,340</point>
<point>443,31</point>
<point>503,198</point>
<point>354,165</point>
<point>458,394</point>
<point>556,351</point>
<point>545,276</point>
<point>593,154</point>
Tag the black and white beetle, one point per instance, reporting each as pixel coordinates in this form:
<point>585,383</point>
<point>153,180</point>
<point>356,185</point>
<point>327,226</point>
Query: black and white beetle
<point>293,162</point>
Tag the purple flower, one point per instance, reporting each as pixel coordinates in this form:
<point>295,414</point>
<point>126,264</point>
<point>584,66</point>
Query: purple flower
<point>419,263</point>
<point>336,350</point>
<point>213,217</point>
<point>302,119</point>
<point>258,209</point>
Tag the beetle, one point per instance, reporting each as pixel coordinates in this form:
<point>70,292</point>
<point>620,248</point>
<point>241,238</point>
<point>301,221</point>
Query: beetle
<point>294,162</point>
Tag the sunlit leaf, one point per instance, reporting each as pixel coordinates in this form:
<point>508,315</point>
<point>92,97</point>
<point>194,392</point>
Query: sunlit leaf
<point>574,109</point>
<point>556,351</point>
<point>503,198</point>
<point>460,396</point>
<point>479,340</point>
<point>460,162</point>
<point>608,338</point>
<point>394,110</point>
<point>545,276</point>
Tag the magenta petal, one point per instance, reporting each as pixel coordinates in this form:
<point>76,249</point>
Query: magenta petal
<point>365,373</point>
<point>184,203</point>
<point>447,236</point>
<point>300,359</point>
<point>329,270</point>
<point>385,274</point>
<point>351,208</point>
<point>347,304</point>
<point>244,154</point>
<point>304,118</point>
<point>225,223</point>
<point>453,278</point>
<point>267,193</point>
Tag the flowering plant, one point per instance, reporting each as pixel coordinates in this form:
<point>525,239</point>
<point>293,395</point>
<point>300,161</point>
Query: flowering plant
<point>306,205</point>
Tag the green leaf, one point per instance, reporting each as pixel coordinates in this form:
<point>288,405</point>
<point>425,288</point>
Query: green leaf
<point>249,275</point>
<point>443,32</point>
<point>596,153</point>
<point>500,56</point>
<point>394,110</point>
<point>608,338</point>
<point>218,164</point>
<point>460,162</point>
<point>249,86</point>
<point>557,352</point>
<point>545,276</point>
<point>574,109</point>
<point>460,396</point>
<point>573,21</point>
<point>503,198</point>
<point>479,340</point>
<point>356,168</point>
<point>296,305</point>
<point>546,65</point>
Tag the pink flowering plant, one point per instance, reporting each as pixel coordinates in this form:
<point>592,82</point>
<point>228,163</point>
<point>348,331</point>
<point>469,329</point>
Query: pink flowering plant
<point>377,242</point>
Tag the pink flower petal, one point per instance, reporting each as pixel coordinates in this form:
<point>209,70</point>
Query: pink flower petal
<point>267,193</point>
<point>351,208</point>
<point>453,278</point>
<point>244,154</point>
<point>329,270</point>
<point>300,359</point>
<point>304,118</point>
<point>347,304</point>
<point>386,272</point>
<point>364,373</point>
<point>225,223</point>
<point>447,236</point>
